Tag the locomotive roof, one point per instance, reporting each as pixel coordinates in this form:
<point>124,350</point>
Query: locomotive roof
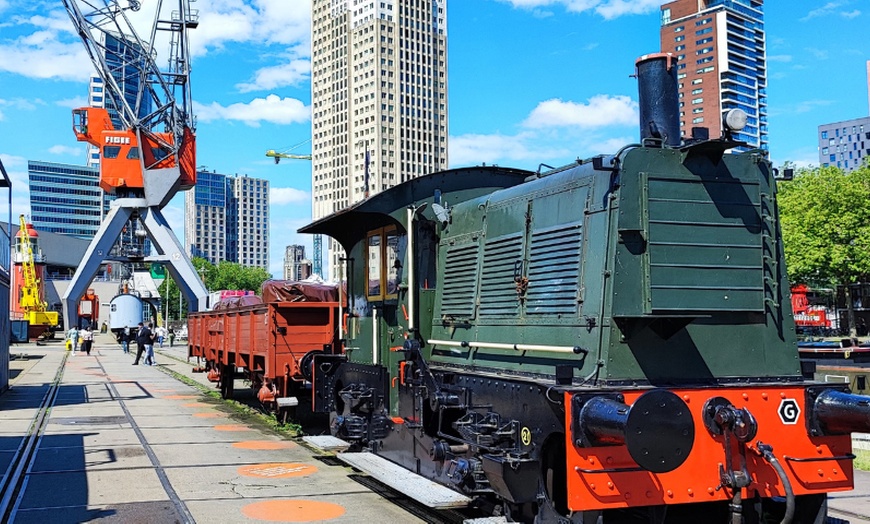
<point>356,220</point>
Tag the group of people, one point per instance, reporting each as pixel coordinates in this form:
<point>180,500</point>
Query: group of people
<point>144,336</point>
<point>85,337</point>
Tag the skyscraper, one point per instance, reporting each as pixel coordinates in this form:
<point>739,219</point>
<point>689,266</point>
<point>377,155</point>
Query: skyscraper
<point>296,266</point>
<point>379,98</point>
<point>720,45</point>
<point>227,218</point>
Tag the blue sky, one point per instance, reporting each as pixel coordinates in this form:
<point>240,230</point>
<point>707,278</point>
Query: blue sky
<point>530,82</point>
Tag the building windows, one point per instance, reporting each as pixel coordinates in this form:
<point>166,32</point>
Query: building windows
<point>824,134</point>
<point>698,120</point>
<point>679,38</point>
<point>697,100</point>
<point>704,31</point>
<point>697,91</point>
<point>679,29</point>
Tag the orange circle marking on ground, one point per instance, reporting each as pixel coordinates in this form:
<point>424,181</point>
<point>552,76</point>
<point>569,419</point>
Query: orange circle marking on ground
<point>232,427</point>
<point>179,397</point>
<point>206,415</point>
<point>279,470</point>
<point>293,510</point>
<point>263,444</point>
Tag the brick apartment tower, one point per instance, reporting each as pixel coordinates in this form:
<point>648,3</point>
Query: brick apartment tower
<point>379,99</point>
<point>720,45</point>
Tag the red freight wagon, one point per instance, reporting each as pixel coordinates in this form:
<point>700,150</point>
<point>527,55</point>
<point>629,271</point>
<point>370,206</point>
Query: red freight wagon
<point>273,339</point>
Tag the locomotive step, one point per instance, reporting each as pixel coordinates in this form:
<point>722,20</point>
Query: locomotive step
<point>326,442</point>
<point>414,486</point>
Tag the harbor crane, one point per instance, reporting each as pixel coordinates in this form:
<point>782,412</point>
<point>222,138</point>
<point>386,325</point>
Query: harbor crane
<point>42,321</point>
<point>317,262</point>
<point>146,134</point>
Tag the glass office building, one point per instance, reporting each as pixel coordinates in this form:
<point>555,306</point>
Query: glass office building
<point>66,198</point>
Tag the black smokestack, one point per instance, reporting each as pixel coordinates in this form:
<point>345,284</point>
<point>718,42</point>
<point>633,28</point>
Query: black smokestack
<point>658,98</point>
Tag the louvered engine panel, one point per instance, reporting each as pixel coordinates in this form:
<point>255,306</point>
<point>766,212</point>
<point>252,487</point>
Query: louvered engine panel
<point>498,288</point>
<point>554,271</point>
<point>460,274</point>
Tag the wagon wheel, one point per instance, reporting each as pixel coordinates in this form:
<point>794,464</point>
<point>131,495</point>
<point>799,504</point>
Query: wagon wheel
<point>226,381</point>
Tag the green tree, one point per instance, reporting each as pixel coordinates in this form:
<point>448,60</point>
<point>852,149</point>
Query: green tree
<point>825,218</point>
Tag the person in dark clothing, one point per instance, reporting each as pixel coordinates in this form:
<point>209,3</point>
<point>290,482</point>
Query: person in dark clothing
<point>143,338</point>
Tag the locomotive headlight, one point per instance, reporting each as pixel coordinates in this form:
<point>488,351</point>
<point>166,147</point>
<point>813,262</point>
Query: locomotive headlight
<point>735,119</point>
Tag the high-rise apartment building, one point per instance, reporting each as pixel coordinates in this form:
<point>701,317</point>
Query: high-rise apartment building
<point>296,266</point>
<point>722,65</point>
<point>845,144</point>
<point>379,98</point>
<point>227,218</point>
<point>66,198</point>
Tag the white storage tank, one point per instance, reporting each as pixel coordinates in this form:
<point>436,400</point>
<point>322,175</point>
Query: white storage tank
<point>125,311</point>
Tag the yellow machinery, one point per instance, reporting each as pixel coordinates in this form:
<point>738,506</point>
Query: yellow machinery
<point>34,308</point>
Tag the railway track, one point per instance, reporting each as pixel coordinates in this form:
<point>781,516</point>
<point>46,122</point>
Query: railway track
<point>15,478</point>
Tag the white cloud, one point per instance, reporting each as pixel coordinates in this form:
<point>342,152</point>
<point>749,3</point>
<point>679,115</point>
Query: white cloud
<point>607,9</point>
<point>73,103</point>
<point>475,149</point>
<point>779,58</point>
<point>600,111</point>
<point>292,73</point>
<point>41,55</point>
<point>262,21</point>
<point>831,8</point>
<point>809,105</point>
<point>279,196</point>
<point>66,150</point>
<point>272,109</point>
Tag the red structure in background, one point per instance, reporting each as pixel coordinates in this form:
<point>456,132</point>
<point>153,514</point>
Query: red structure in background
<point>805,315</point>
<point>89,309</point>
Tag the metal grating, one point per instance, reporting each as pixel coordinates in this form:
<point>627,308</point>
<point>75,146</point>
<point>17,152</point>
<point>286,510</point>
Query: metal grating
<point>554,270</point>
<point>498,289</point>
<point>460,274</point>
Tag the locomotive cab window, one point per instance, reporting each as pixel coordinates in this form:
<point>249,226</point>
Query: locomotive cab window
<point>384,263</point>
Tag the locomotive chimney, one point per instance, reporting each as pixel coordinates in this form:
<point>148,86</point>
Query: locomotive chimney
<point>658,98</point>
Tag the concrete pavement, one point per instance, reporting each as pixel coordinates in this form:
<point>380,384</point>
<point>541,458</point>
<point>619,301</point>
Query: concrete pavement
<point>128,443</point>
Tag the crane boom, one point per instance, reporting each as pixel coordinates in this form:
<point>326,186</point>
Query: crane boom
<point>150,130</point>
<point>317,265</point>
<point>148,148</point>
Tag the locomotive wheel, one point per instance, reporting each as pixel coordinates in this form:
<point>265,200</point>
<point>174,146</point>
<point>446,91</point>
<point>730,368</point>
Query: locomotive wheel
<point>226,381</point>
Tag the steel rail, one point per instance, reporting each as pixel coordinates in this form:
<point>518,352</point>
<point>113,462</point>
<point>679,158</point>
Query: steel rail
<point>14,477</point>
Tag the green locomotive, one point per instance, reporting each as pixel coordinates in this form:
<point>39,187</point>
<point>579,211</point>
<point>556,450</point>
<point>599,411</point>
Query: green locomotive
<point>609,341</point>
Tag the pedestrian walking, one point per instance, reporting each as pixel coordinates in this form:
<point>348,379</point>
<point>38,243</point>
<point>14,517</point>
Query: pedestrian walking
<point>171,337</point>
<point>143,336</point>
<point>149,347</point>
<point>73,336</point>
<point>87,340</point>
<point>124,338</point>
<point>104,328</point>
<point>160,334</point>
